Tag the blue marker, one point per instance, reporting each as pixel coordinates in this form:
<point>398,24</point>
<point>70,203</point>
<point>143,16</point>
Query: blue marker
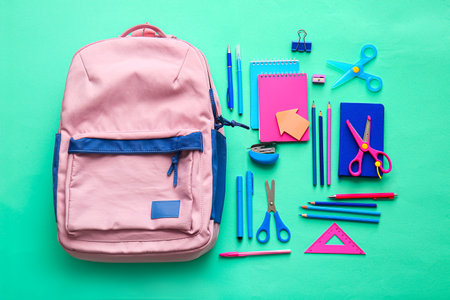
<point>240,216</point>
<point>249,182</point>
<point>230,81</point>
<point>239,78</point>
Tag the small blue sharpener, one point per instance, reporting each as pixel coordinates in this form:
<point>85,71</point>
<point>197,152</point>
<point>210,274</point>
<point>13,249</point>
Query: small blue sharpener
<point>263,153</point>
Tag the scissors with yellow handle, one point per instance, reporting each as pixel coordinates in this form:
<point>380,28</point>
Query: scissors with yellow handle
<point>364,146</point>
<point>357,70</point>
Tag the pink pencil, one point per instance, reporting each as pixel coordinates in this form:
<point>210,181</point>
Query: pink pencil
<point>252,253</point>
<point>328,144</point>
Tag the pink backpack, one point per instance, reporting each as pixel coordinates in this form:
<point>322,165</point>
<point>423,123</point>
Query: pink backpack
<point>140,157</point>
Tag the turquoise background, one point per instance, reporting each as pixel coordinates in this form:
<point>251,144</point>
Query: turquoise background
<point>407,253</point>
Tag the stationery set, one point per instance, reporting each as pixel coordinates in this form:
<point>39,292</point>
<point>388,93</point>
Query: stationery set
<point>279,109</point>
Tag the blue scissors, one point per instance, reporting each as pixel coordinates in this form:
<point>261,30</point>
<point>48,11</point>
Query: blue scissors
<point>265,226</point>
<point>357,70</point>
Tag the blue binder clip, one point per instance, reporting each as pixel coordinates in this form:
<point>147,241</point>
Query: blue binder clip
<point>301,46</point>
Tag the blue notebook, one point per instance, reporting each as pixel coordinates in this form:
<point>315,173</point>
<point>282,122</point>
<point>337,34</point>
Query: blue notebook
<point>266,67</point>
<point>357,114</point>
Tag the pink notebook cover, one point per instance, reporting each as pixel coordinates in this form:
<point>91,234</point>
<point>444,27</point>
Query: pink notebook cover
<point>278,92</point>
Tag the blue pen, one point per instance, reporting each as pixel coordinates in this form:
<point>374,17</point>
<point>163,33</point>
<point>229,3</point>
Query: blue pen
<point>249,182</point>
<point>239,78</point>
<point>230,81</point>
<point>240,216</point>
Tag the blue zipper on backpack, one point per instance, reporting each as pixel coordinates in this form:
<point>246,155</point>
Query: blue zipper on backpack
<point>173,167</point>
<point>220,121</point>
<point>193,141</point>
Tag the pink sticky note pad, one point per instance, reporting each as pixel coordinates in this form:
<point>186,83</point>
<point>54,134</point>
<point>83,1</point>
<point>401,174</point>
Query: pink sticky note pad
<point>280,92</point>
<point>320,246</point>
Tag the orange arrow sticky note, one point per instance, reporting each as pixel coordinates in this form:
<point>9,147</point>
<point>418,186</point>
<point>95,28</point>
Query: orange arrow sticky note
<point>291,123</point>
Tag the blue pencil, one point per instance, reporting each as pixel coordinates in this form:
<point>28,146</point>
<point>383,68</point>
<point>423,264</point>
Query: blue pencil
<point>343,210</point>
<point>313,117</point>
<point>352,219</point>
<point>343,204</point>
<point>321,148</point>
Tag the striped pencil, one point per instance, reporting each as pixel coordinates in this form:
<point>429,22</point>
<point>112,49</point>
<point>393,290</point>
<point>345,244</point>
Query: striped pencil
<point>343,204</point>
<point>343,210</point>
<point>351,219</point>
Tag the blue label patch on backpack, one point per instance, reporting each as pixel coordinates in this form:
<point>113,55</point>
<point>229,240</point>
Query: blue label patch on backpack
<point>165,209</point>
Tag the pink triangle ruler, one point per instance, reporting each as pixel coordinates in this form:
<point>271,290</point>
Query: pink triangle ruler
<point>320,245</point>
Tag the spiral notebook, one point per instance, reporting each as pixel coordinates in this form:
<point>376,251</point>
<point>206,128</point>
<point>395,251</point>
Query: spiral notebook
<point>281,92</point>
<point>266,67</point>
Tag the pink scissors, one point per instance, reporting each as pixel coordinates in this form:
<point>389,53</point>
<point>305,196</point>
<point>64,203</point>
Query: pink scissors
<point>363,145</point>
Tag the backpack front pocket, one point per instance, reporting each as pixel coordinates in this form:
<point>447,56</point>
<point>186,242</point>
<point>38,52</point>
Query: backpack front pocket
<point>134,184</point>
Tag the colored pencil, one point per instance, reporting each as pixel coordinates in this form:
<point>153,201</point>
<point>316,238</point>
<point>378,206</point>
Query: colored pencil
<point>254,253</point>
<point>328,144</point>
<point>373,196</point>
<point>351,219</point>
<point>313,113</point>
<point>343,210</point>
<point>321,147</point>
<point>318,203</point>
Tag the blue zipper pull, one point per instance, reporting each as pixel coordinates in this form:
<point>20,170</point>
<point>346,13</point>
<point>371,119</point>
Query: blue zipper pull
<point>232,123</point>
<point>173,167</point>
<point>220,121</point>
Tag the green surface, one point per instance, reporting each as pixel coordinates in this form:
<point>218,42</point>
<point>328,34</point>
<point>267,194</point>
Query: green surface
<point>408,253</point>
